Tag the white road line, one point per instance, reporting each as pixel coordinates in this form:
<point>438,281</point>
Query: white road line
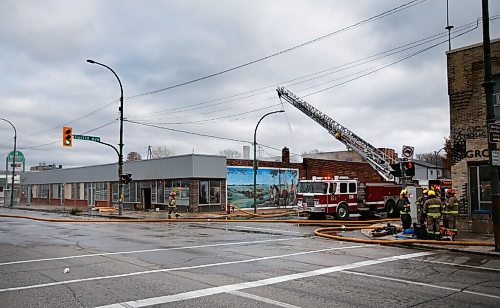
<point>149,250</point>
<point>264,229</point>
<point>263,299</point>
<point>175,269</point>
<point>258,283</point>
<point>422,284</point>
<point>461,265</point>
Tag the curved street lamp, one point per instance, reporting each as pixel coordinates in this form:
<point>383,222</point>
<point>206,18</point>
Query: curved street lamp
<point>436,153</point>
<point>255,160</point>
<point>13,163</point>
<point>120,145</point>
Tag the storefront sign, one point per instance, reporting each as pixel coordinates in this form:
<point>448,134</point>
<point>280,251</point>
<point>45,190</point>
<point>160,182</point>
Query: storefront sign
<point>477,153</point>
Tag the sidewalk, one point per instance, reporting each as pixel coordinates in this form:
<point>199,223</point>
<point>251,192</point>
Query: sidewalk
<point>139,214</point>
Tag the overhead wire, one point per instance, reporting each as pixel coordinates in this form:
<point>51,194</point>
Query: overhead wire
<point>370,72</point>
<point>364,21</point>
<point>299,80</point>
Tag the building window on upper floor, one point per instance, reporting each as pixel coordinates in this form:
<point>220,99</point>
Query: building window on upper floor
<point>496,96</point>
<point>432,173</point>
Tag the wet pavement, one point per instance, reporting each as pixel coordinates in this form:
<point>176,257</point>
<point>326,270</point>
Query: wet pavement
<point>82,213</point>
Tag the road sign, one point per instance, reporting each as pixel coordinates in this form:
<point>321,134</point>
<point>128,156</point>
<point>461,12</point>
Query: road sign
<point>407,151</point>
<point>494,132</point>
<point>88,138</point>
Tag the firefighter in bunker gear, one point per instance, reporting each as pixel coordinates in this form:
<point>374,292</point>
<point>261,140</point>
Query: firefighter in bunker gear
<point>432,208</point>
<point>420,206</point>
<point>450,213</point>
<point>404,209</point>
<point>172,205</point>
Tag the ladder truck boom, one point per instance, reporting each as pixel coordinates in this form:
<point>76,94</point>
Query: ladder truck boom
<point>375,157</point>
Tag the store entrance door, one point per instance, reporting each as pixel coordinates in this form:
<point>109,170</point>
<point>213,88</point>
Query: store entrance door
<point>146,198</point>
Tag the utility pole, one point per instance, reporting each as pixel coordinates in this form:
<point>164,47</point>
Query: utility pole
<point>490,119</point>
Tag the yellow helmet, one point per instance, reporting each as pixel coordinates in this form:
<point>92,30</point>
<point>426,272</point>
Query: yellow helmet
<point>431,193</point>
<point>404,192</point>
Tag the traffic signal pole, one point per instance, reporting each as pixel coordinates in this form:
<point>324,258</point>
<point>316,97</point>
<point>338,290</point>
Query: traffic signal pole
<point>490,119</point>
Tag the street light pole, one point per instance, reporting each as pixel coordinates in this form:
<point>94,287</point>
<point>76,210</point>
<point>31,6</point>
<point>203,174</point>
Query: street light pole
<point>120,145</point>
<point>436,153</point>
<point>13,162</point>
<point>255,160</point>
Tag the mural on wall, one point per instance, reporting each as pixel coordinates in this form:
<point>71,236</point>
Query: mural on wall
<point>275,187</point>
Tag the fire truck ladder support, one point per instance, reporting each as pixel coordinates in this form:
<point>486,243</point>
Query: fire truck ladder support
<point>375,157</point>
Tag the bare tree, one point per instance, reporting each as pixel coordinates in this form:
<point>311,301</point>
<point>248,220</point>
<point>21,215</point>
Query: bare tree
<point>161,151</point>
<point>429,157</point>
<point>229,153</point>
<point>133,156</point>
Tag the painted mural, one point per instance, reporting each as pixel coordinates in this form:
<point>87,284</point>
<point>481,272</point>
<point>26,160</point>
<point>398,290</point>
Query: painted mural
<point>275,187</point>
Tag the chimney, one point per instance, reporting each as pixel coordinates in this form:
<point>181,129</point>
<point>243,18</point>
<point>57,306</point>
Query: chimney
<point>285,155</point>
<point>246,152</point>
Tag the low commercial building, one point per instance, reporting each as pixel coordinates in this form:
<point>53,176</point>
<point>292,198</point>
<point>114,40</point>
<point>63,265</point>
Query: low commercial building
<point>199,180</point>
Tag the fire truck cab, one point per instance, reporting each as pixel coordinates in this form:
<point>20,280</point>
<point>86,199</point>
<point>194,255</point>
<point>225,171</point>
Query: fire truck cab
<point>326,196</point>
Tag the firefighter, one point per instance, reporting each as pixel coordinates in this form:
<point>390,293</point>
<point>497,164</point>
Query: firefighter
<point>432,208</point>
<point>404,209</point>
<point>172,205</point>
<point>450,213</point>
<point>420,206</point>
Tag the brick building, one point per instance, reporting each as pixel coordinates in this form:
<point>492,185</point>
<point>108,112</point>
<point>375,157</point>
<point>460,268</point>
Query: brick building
<point>468,130</point>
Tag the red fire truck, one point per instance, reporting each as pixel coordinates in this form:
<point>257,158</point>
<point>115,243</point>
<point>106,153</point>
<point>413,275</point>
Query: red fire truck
<point>342,196</point>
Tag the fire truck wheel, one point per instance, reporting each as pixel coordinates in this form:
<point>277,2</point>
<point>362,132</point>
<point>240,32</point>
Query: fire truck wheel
<point>342,212</point>
<point>391,209</point>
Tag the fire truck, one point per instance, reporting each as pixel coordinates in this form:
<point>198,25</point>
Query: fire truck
<point>341,196</point>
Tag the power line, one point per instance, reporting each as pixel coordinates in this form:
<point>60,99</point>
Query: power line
<point>327,72</point>
<point>364,21</point>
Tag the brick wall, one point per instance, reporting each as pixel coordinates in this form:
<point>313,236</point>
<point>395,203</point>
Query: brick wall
<point>468,130</point>
<point>319,167</point>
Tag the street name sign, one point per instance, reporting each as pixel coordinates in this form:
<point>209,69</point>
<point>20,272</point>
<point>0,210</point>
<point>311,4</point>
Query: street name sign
<point>89,138</point>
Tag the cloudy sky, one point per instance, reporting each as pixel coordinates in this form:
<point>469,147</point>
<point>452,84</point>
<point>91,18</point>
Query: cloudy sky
<point>198,75</point>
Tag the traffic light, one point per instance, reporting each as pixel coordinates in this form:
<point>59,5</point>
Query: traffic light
<point>409,168</point>
<point>396,170</point>
<point>126,178</point>
<point>67,136</point>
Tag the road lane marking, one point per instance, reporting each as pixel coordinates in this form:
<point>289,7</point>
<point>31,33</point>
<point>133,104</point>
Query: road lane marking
<point>265,229</point>
<point>422,284</point>
<point>263,299</point>
<point>461,265</point>
<point>177,269</point>
<point>258,283</point>
<point>149,250</point>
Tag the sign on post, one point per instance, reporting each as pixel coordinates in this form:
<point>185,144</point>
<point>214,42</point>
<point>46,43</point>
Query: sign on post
<point>494,135</point>
<point>495,158</point>
<point>407,151</point>
<point>88,138</point>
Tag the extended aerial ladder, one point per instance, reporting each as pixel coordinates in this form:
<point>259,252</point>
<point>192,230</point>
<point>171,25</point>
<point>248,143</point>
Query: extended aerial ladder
<point>380,161</point>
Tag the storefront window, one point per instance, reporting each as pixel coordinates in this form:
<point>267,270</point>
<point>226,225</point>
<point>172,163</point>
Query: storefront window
<point>101,191</point>
<point>56,191</point>
<point>44,191</point>
<point>210,192</point>
<point>153,192</point>
<point>480,188</point>
<point>161,192</point>
<point>214,192</point>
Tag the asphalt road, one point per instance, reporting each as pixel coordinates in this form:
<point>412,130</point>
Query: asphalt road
<point>227,265</point>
